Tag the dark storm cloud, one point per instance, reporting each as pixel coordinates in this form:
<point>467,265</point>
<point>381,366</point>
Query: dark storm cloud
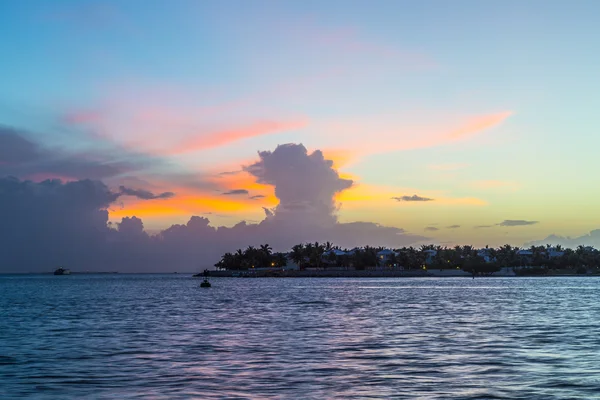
<point>144,194</point>
<point>50,223</point>
<point>414,197</point>
<point>53,223</point>
<point>236,192</point>
<point>517,222</point>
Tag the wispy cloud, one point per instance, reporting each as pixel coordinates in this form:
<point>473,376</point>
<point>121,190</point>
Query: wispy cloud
<point>431,228</point>
<point>220,138</point>
<point>235,192</point>
<point>453,227</point>
<point>483,226</point>
<point>257,196</point>
<point>517,222</point>
<point>477,125</point>
<point>144,194</point>
<point>414,197</point>
<point>347,136</point>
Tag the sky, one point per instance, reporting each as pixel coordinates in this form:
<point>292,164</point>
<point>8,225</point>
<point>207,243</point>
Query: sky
<point>462,122</point>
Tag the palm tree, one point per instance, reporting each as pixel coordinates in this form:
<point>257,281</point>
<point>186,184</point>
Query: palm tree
<point>297,254</point>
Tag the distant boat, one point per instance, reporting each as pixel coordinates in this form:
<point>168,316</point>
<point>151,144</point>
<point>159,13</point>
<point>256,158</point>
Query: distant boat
<point>62,271</point>
<point>205,283</point>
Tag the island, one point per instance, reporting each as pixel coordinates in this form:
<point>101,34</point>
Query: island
<point>327,260</point>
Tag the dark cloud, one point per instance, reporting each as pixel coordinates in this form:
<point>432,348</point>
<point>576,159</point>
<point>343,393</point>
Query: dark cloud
<point>21,157</point>
<point>516,222</point>
<point>483,226</point>
<point>431,228</point>
<point>305,184</point>
<point>257,196</point>
<point>144,194</point>
<point>453,227</point>
<point>590,239</point>
<point>54,223</point>
<point>236,192</point>
<point>414,197</point>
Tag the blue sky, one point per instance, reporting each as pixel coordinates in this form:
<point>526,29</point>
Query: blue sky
<point>488,107</point>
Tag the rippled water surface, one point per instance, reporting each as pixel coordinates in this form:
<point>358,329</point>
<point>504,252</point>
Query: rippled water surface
<point>162,337</point>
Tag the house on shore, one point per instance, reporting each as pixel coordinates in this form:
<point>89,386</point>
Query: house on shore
<point>387,256</point>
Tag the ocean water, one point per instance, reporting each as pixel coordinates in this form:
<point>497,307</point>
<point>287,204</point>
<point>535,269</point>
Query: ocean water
<point>163,337</point>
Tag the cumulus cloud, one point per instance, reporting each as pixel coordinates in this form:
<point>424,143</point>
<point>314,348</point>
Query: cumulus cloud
<point>305,184</point>
<point>431,228</point>
<point>55,223</point>
<point>453,227</point>
<point>144,194</point>
<point>235,192</point>
<point>414,197</point>
<point>517,222</point>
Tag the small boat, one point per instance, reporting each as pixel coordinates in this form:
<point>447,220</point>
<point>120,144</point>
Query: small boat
<point>62,271</point>
<point>205,283</point>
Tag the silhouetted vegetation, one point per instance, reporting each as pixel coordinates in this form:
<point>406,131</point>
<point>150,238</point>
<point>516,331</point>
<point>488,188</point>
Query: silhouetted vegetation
<point>536,260</point>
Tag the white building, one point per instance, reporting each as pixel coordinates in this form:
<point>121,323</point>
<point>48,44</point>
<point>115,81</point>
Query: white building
<point>385,256</point>
<point>486,255</point>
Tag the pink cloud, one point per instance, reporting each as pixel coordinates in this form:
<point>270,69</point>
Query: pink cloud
<point>360,138</point>
<point>477,125</point>
<point>224,137</point>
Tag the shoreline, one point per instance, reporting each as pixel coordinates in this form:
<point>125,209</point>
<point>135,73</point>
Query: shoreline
<point>370,274</point>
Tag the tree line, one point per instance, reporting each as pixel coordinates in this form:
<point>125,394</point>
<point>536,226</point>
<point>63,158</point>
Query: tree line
<point>539,259</point>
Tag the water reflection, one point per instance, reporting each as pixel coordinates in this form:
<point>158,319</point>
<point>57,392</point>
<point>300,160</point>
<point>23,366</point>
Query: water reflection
<point>161,337</point>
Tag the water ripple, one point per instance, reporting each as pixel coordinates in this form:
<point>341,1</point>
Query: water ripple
<point>162,337</point>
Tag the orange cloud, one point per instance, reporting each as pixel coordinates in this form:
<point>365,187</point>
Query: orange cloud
<point>340,157</point>
<point>190,201</point>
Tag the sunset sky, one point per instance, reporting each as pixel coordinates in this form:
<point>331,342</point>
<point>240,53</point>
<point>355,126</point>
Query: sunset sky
<point>461,121</point>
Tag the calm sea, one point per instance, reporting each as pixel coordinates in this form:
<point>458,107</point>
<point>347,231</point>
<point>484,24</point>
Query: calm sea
<point>163,337</point>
